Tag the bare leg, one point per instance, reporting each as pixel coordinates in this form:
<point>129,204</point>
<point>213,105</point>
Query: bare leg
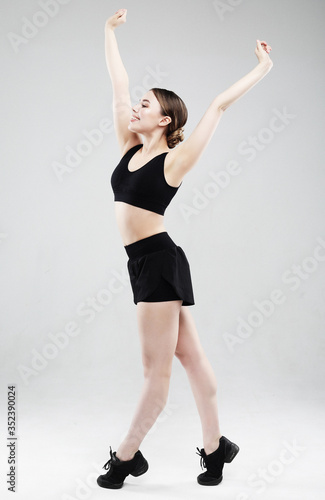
<point>158,328</point>
<point>202,379</point>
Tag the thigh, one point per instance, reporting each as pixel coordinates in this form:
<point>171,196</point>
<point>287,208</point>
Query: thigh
<point>158,324</point>
<point>189,348</point>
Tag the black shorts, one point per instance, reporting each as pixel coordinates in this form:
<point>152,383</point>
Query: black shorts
<point>159,270</point>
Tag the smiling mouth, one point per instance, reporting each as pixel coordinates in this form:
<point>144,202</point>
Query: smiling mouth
<point>134,118</point>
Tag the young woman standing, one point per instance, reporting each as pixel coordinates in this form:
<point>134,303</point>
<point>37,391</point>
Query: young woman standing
<point>144,182</point>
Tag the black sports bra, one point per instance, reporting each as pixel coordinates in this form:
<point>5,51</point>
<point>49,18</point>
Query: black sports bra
<point>145,187</point>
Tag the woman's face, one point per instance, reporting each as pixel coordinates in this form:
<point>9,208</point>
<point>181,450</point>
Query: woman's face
<point>146,115</point>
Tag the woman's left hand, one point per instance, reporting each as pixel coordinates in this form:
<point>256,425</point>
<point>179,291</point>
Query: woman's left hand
<point>262,51</point>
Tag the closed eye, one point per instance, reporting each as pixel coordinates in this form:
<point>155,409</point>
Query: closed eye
<point>144,100</point>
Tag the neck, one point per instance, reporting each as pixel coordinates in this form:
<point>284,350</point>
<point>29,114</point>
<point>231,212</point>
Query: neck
<point>153,144</point>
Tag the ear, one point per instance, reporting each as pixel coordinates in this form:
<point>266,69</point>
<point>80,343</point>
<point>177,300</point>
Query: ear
<point>164,121</point>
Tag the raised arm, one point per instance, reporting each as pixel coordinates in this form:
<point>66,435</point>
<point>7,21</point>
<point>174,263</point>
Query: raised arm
<point>120,84</point>
<point>240,88</point>
<point>184,157</point>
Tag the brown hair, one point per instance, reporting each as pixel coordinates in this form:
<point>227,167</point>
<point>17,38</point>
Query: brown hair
<point>173,106</point>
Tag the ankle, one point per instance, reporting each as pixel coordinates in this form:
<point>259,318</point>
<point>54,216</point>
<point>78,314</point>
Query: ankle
<point>125,457</point>
<point>212,445</point>
<point>127,449</point>
<point>126,452</point>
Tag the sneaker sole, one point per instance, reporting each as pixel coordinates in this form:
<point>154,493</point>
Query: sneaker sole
<point>212,482</point>
<point>110,486</point>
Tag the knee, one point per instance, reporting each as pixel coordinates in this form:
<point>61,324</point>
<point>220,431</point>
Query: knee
<point>157,383</point>
<point>157,374</point>
<point>180,356</point>
<point>188,359</point>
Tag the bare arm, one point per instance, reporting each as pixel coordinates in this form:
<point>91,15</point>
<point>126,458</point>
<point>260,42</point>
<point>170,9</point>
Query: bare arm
<point>120,84</point>
<point>184,157</point>
<point>236,91</point>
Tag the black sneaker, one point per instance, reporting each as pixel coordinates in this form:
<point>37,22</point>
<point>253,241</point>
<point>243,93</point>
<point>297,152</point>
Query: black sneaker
<point>118,470</point>
<point>215,461</point>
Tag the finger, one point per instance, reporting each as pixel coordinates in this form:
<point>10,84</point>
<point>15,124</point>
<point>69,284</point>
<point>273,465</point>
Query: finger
<point>121,12</point>
<point>266,47</point>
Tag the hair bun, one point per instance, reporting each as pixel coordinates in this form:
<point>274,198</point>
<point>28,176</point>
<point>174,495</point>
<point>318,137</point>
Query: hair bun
<point>173,106</point>
<point>175,137</point>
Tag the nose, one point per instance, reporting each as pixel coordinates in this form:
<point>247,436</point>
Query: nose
<point>136,107</point>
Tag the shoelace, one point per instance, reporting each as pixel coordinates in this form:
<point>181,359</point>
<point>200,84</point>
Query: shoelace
<point>109,462</point>
<point>202,461</point>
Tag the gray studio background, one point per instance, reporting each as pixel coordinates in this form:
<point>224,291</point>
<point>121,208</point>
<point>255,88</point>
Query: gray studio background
<point>250,217</point>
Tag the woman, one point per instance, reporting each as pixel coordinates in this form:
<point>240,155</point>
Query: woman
<point>146,179</point>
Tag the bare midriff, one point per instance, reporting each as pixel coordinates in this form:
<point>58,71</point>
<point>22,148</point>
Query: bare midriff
<point>135,223</point>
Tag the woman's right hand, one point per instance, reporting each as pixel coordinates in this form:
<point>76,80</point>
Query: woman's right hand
<point>117,19</point>
<point>262,52</point>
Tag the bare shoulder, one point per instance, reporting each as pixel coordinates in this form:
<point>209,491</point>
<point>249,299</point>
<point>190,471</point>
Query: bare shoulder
<point>134,140</point>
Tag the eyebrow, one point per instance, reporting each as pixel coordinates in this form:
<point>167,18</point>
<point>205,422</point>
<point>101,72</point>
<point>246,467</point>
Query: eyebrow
<point>144,100</point>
